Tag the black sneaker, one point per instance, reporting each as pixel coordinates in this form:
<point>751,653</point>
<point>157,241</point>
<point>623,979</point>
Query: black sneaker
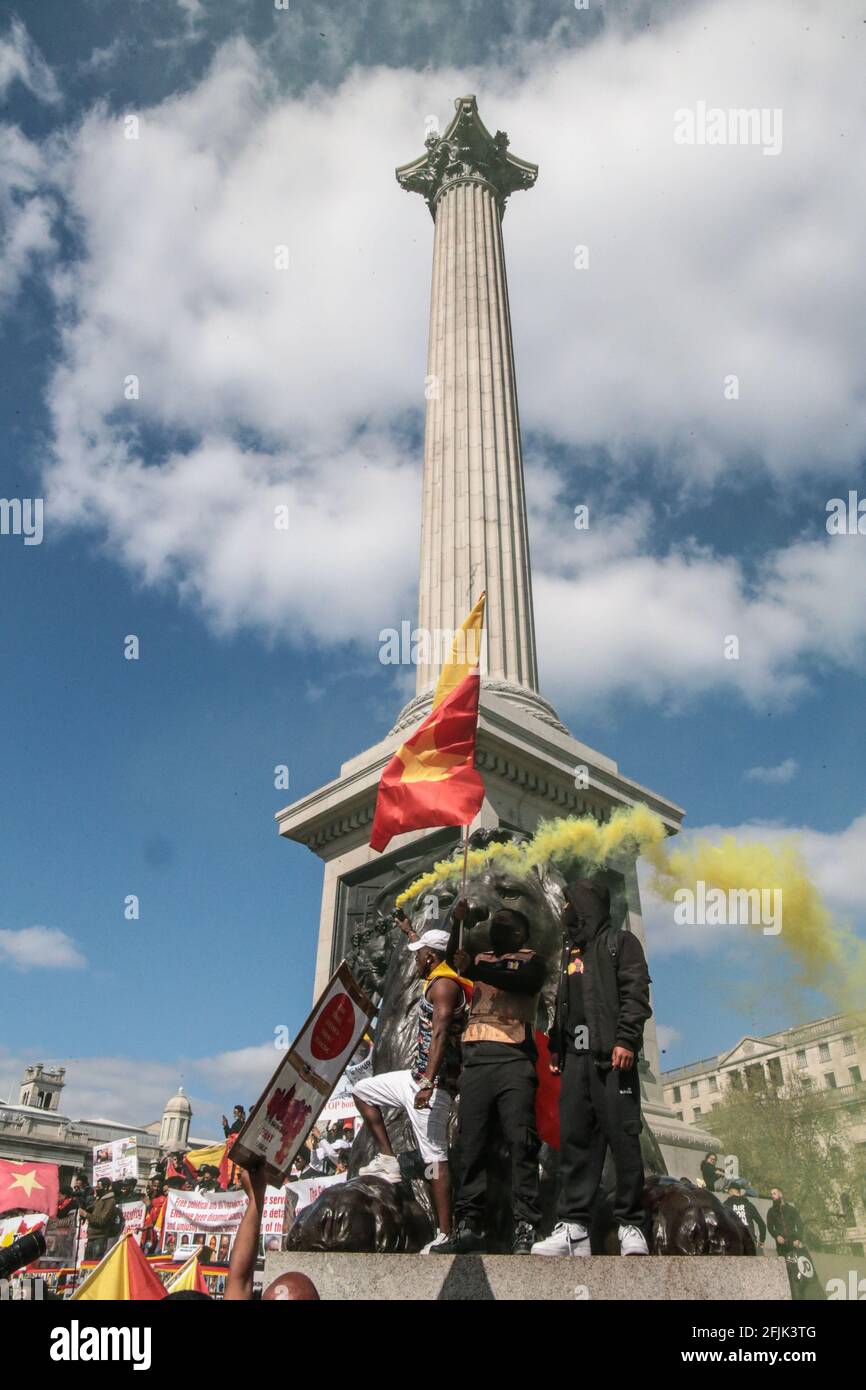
<point>466,1240</point>
<point>524,1237</point>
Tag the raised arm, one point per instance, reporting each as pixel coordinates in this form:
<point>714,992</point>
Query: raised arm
<point>239,1284</point>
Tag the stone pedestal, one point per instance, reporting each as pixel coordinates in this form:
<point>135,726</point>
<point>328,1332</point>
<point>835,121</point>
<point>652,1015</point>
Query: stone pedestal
<point>482,1278</point>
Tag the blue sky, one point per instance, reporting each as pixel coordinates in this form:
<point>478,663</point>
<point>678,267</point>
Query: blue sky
<point>155,257</point>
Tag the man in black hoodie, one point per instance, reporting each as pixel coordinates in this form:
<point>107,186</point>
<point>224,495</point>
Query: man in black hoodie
<point>783,1223</point>
<point>602,1005</point>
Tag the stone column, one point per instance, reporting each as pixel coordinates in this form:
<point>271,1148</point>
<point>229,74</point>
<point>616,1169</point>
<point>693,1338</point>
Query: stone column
<point>473,526</point>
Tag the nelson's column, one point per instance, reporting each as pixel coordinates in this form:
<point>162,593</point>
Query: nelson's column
<point>474,537</point>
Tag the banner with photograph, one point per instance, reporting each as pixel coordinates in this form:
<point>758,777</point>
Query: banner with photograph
<point>61,1238</point>
<point>116,1160</point>
<point>211,1220</point>
<point>290,1104</point>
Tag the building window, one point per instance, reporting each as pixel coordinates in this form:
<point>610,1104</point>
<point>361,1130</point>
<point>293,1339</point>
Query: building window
<point>808,1083</point>
<point>679,1114</point>
<point>848,1046</point>
<point>824,1052</point>
<point>697,1111</point>
<point>714,1083</point>
<point>737,1080</point>
<point>829,1081</point>
<point>854,1073</point>
<point>802,1060</point>
<point>693,1088</point>
<point>774,1071</point>
<point>677,1096</point>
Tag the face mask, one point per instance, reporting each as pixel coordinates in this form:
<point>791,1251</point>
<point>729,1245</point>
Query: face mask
<point>505,938</point>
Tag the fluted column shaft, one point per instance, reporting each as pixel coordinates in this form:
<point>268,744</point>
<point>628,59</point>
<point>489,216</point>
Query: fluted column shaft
<point>473,527</point>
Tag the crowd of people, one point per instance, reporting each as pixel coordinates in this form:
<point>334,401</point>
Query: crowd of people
<point>475,1036</point>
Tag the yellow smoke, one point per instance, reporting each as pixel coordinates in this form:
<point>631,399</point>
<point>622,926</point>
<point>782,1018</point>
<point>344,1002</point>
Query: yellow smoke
<point>558,842</point>
<point>826,955</point>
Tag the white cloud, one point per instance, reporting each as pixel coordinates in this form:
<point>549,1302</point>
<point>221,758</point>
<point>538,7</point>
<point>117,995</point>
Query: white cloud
<point>667,1035</point>
<point>259,385</point>
<point>135,1090</point>
<point>656,627</point>
<point>40,948</point>
<point>26,212</point>
<point>834,861</point>
<point>20,60</point>
<point>783,772</point>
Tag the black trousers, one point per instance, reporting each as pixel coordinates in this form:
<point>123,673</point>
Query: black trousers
<point>506,1089</point>
<point>599,1107</point>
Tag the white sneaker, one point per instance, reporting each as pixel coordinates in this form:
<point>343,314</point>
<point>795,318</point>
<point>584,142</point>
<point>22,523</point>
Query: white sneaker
<point>440,1238</point>
<point>568,1238</point>
<point>632,1241</point>
<point>383,1166</point>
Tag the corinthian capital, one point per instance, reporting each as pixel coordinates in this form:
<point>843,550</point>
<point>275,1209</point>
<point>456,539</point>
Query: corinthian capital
<point>466,153</point>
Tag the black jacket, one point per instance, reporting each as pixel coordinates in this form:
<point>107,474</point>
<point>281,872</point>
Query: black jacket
<point>784,1220</point>
<point>748,1213</point>
<point>615,984</point>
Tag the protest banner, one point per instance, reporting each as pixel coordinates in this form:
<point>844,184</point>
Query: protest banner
<point>61,1242</point>
<point>116,1160</point>
<point>132,1215</point>
<point>306,1190</point>
<point>340,1107</point>
<point>290,1104</point>
<point>211,1220</point>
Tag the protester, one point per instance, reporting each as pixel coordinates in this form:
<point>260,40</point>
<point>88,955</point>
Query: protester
<point>103,1221</point>
<point>498,1079</point>
<point>239,1119</point>
<point>745,1211</point>
<point>602,1005</point>
<point>157,1196</point>
<point>78,1198</point>
<point>783,1223</point>
<point>425,1092</point>
<point>709,1171</point>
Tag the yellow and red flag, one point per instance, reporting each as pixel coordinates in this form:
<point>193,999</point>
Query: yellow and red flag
<point>28,1186</point>
<point>432,778</point>
<point>217,1156</point>
<point>189,1276</point>
<point>123,1274</point>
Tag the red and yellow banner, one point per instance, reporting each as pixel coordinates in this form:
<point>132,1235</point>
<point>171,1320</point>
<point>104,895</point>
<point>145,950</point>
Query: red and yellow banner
<point>432,778</point>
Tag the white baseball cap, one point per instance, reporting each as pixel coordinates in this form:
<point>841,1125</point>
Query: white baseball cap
<point>435,940</point>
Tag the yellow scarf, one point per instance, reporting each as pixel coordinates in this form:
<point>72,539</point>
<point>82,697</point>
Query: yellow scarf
<point>443,971</point>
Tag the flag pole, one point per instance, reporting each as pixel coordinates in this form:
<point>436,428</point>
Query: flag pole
<point>463,886</point>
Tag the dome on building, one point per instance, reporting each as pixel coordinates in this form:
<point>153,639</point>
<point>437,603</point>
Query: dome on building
<point>174,1129</point>
<point>179,1104</point>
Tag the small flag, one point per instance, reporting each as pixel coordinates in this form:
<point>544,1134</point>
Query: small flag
<point>189,1276</point>
<point>432,778</point>
<point>122,1274</point>
<point>30,1186</point>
